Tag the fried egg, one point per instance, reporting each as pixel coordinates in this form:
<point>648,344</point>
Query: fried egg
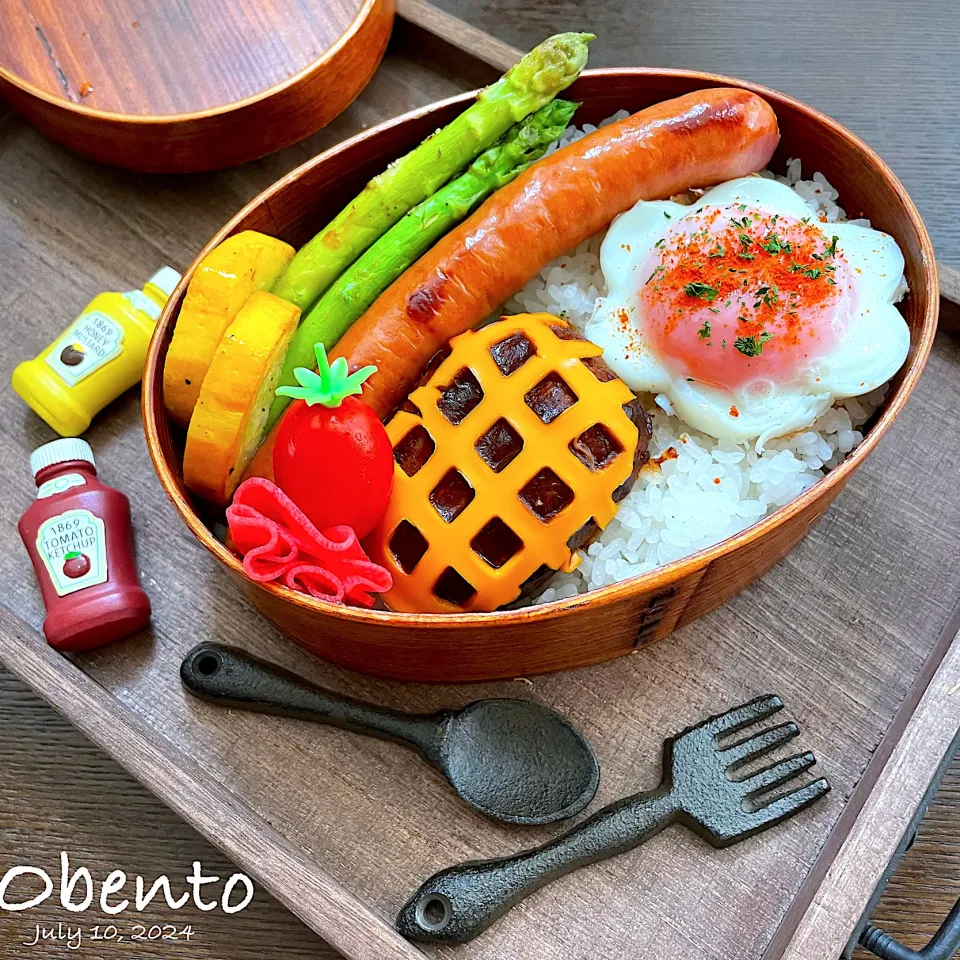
<point>749,315</point>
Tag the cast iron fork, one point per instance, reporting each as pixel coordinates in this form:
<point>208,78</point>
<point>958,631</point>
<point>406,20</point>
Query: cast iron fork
<point>698,790</point>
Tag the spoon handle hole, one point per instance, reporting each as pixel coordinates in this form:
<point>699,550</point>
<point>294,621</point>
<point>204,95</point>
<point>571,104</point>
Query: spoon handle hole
<point>434,911</point>
<point>207,664</point>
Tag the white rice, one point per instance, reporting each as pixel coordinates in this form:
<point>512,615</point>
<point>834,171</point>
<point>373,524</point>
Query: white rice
<point>711,489</point>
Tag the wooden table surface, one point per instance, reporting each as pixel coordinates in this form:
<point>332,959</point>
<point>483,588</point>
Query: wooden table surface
<point>58,792</point>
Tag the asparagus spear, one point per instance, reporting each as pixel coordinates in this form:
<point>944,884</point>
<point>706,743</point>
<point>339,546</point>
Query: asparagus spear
<point>404,243</point>
<point>530,84</point>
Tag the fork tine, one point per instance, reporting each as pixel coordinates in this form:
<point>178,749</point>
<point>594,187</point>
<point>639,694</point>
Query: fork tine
<point>746,714</point>
<point>776,775</point>
<point>787,806</point>
<point>754,747</point>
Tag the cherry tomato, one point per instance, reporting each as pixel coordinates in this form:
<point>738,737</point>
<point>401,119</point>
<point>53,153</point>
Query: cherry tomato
<point>335,463</point>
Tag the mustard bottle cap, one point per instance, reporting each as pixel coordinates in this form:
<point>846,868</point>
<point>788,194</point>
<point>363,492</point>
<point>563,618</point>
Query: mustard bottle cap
<point>165,279</point>
<point>60,451</point>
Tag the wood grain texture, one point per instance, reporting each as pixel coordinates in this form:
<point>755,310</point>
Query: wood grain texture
<point>181,88</point>
<point>877,68</point>
<point>950,284</point>
<point>57,787</point>
<point>458,33</point>
<point>927,882</point>
<point>605,623</point>
<point>841,628</point>
<point>132,54</point>
<point>60,792</point>
<point>301,883</point>
<point>855,872</point>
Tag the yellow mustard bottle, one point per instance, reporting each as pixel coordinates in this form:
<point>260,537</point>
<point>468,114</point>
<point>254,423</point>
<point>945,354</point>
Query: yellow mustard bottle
<point>98,357</point>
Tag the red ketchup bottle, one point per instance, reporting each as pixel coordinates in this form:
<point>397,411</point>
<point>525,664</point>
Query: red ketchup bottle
<point>80,538</point>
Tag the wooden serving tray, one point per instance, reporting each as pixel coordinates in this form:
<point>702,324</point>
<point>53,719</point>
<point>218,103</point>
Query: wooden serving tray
<point>855,629</point>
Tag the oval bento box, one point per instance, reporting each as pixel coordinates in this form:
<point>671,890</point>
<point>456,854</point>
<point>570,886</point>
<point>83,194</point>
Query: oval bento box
<point>610,621</point>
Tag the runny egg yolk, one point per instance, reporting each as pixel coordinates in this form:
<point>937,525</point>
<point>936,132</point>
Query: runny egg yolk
<point>738,297</point>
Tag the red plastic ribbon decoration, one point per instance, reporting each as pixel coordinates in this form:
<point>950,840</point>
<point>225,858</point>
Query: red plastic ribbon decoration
<point>279,543</point>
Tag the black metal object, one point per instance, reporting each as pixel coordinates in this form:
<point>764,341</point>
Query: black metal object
<point>513,760</point>
<point>946,943</point>
<point>943,946</point>
<point>460,902</point>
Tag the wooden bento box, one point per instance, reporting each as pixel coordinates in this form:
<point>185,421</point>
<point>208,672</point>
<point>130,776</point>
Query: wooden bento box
<point>610,621</point>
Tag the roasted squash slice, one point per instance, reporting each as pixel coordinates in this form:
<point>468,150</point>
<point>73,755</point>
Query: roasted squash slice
<point>220,286</point>
<point>232,408</point>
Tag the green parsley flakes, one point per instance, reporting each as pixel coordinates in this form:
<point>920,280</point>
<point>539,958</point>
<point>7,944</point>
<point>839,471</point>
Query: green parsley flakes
<point>701,290</point>
<point>752,346</point>
<point>772,244</point>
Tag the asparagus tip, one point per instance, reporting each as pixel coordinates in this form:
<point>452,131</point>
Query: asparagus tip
<point>554,64</point>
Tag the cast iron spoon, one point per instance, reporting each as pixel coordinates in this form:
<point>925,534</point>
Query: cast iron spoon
<point>513,760</point>
<point>459,903</point>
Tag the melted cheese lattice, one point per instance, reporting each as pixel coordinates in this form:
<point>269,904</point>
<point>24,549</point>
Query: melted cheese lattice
<point>497,494</point>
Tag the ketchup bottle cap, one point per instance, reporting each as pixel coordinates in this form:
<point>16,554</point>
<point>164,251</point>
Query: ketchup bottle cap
<point>60,451</point>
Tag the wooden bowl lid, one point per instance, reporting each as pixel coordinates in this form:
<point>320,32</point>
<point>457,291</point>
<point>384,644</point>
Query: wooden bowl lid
<point>192,85</point>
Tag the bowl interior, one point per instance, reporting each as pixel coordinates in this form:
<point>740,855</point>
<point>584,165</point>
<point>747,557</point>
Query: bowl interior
<point>299,204</point>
